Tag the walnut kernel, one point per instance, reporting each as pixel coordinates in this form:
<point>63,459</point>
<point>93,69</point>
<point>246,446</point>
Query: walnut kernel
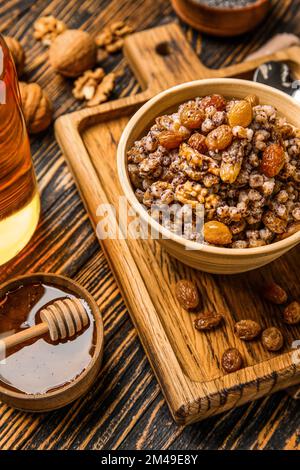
<point>48,28</point>
<point>37,107</point>
<point>17,53</point>
<point>103,90</point>
<point>275,293</point>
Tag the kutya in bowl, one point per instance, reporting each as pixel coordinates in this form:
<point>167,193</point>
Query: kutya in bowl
<point>204,257</point>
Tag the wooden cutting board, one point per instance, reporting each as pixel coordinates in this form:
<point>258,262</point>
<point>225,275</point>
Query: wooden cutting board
<point>186,362</point>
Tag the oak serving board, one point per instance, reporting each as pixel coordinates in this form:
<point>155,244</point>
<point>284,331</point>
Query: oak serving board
<point>186,362</point>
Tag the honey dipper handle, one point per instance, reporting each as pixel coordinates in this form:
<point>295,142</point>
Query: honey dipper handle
<point>21,336</point>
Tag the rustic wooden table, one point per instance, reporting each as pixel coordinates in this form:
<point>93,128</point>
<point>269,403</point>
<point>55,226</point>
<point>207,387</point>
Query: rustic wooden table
<point>125,408</point>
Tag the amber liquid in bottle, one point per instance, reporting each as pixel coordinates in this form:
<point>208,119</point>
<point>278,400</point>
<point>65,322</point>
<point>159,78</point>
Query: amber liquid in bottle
<point>19,198</point>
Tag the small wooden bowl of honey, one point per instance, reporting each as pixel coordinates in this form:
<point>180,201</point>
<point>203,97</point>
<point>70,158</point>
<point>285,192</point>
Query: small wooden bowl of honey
<point>222,17</point>
<point>41,374</point>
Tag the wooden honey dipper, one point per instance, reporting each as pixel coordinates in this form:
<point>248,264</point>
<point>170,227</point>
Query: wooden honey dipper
<point>61,319</point>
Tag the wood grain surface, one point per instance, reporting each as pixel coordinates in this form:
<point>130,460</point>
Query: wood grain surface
<point>125,408</point>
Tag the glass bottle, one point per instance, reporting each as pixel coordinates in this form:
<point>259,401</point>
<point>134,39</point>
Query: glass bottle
<point>19,198</point>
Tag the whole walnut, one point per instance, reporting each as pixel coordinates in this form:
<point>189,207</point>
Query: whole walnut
<point>37,107</point>
<point>17,53</point>
<point>73,52</point>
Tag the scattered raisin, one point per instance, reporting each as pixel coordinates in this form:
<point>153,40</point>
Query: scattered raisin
<point>169,139</point>
<point>274,223</point>
<point>273,160</point>
<point>274,293</point>
<point>272,339</point>
<point>208,321</point>
<point>217,233</point>
<point>247,329</point>
<point>220,138</point>
<point>198,142</point>
<point>232,360</point>
<point>291,314</point>
<point>187,294</point>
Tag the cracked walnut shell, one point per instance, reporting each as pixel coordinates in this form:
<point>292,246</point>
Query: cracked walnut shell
<point>37,107</point>
<point>73,52</point>
<point>17,53</point>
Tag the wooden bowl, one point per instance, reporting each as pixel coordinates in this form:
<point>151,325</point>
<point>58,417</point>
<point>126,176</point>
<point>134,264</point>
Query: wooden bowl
<point>206,258</point>
<point>221,21</point>
<point>67,393</point>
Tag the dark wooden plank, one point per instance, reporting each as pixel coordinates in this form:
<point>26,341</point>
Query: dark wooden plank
<point>125,408</point>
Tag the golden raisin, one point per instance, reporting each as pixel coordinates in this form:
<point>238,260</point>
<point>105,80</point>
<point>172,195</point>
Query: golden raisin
<point>169,139</point>
<point>187,294</point>
<point>217,233</point>
<point>272,339</point>
<point>220,138</point>
<point>240,114</point>
<point>232,360</point>
<point>252,99</point>
<point>192,117</point>
<point>247,329</point>
<point>291,314</point>
<point>208,321</point>
<point>198,142</point>
<point>273,160</point>
<point>274,293</point>
<point>217,101</point>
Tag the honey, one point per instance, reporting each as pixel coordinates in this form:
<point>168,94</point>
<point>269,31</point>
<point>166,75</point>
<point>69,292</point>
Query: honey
<point>19,199</point>
<point>39,365</point>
